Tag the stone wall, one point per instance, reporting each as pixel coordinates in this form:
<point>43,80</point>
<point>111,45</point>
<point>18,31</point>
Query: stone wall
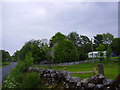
<point>66,80</point>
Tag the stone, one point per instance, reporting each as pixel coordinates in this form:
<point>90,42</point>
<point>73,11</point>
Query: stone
<point>99,79</point>
<point>92,79</point>
<point>107,82</point>
<point>99,87</point>
<point>100,69</point>
<point>30,69</point>
<point>65,79</point>
<point>90,85</point>
<point>85,82</point>
<point>78,84</point>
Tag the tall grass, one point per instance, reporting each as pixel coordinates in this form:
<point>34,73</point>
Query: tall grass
<point>31,80</point>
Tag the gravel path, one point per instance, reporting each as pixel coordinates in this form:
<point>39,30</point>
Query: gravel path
<point>5,70</point>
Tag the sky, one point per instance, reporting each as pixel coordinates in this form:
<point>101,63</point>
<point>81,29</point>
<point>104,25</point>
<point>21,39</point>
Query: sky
<point>23,21</point>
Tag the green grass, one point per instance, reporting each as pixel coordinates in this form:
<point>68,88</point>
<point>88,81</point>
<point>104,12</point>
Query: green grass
<point>3,64</point>
<point>110,69</point>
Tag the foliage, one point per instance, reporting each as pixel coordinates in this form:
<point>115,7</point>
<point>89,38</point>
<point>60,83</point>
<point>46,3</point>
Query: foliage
<point>31,80</point>
<point>24,65</point>
<point>15,78</point>
<point>82,43</point>
<point>65,51</point>
<point>3,64</point>
<point>108,54</point>
<point>107,38</point>
<point>38,50</point>
<point>15,56</point>
<point>5,56</point>
<point>56,38</point>
<point>84,47</point>
<point>82,54</point>
<point>98,39</point>
<point>115,46</point>
<point>74,37</point>
<point>11,82</point>
<point>101,47</point>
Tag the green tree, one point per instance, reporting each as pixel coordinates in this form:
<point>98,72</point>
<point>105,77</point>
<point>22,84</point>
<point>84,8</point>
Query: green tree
<point>65,51</point>
<point>101,47</point>
<point>107,38</point>
<point>115,46</point>
<point>84,47</point>
<point>56,38</point>
<point>108,53</point>
<point>36,48</point>
<point>98,39</point>
<point>15,56</point>
<point>85,43</point>
<point>5,56</point>
<point>74,37</point>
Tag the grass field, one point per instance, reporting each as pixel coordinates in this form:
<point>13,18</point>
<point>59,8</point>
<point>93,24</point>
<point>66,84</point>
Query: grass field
<point>110,69</point>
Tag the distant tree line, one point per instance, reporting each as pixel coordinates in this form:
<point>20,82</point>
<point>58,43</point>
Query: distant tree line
<point>5,56</point>
<point>65,48</point>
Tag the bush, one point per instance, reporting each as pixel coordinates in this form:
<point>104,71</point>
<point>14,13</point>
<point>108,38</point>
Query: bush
<point>31,80</point>
<point>5,63</point>
<point>14,79</point>
<point>24,65</point>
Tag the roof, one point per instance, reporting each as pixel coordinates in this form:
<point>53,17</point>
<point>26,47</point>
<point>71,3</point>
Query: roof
<point>95,52</point>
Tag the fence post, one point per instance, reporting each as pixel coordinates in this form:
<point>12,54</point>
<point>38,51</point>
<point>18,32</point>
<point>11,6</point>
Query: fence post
<point>100,69</point>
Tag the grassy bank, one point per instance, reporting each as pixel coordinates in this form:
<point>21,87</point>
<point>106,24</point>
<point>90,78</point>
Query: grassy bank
<point>3,64</point>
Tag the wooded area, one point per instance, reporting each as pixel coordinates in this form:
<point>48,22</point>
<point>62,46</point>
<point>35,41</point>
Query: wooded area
<point>65,48</point>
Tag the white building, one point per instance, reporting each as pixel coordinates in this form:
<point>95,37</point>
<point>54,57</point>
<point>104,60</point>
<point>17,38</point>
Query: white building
<point>96,54</point>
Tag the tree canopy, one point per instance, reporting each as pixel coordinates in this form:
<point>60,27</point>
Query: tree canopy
<point>65,51</point>
<point>5,56</point>
<point>56,38</point>
<point>62,48</point>
<point>115,45</point>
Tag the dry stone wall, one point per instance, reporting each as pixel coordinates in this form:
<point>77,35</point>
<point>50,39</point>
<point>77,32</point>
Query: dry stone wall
<point>65,79</point>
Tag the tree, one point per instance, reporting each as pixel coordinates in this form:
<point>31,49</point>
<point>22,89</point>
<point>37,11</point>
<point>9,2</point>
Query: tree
<point>65,51</point>
<point>115,46</point>
<point>101,47</point>
<point>36,48</point>
<point>15,56</point>
<point>5,56</point>
<point>29,59</point>
<point>85,43</point>
<point>74,37</point>
<point>56,38</point>
<point>98,39</point>
<point>108,54</point>
<point>107,38</point>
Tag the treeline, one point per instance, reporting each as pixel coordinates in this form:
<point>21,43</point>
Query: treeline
<point>5,56</point>
<point>67,48</point>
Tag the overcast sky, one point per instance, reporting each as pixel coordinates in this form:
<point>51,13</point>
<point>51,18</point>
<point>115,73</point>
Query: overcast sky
<point>22,22</point>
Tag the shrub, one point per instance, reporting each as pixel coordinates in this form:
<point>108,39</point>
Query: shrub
<point>14,79</point>
<point>31,80</point>
<point>24,65</point>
